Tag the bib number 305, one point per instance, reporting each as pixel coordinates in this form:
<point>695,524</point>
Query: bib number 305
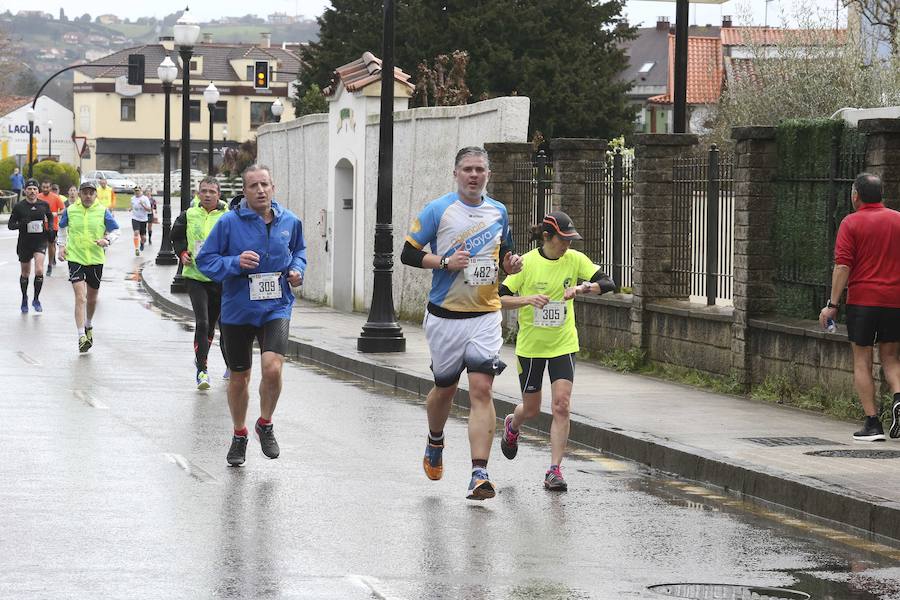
<point>265,286</point>
<point>553,314</point>
<point>481,270</point>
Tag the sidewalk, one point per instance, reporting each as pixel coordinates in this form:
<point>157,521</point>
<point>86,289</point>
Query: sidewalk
<point>674,428</point>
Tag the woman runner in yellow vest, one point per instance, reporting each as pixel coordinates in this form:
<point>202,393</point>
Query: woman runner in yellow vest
<point>547,337</point>
<point>189,231</point>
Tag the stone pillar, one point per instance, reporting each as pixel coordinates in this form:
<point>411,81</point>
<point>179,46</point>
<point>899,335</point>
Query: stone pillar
<point>652,240</point>
<point>570,156</point>
<point>503,157</point>
<point>755,168</point>
<point>883,155</point>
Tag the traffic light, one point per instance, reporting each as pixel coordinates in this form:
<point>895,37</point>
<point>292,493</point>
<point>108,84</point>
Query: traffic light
<point>135,69</point>
<point>261,79</point>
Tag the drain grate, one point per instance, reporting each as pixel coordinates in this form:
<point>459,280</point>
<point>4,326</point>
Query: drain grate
<point>716,591</point>
<point>882,454</point>
<point>791,441</point>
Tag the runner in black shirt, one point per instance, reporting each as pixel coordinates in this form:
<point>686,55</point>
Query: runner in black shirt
<point>32,217</point>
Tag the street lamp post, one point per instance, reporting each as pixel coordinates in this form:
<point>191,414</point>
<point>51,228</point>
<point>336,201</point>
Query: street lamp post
<point>30,114</point>
<point>211,95</point>
<point>381,333</point>
<point>277,109</point>
<point>167,72</point>
<point>50,139</point>
<point>186,34</point>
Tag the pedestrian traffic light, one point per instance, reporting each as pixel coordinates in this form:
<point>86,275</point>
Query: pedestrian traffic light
<point>261,79</point>
<point>135,69</point>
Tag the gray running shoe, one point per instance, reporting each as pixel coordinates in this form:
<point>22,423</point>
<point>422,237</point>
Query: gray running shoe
<point>266,436</point>
<point>238,452</point>
<point>554,481</point>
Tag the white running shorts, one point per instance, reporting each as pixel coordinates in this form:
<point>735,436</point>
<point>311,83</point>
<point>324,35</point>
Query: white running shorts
<point>464,344</point>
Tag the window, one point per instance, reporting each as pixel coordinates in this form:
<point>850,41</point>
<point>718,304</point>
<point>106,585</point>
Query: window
<point>645,68</point>
<point>194,66</point>
<point>251,72</point>
<point>195,111</point>
<point>260,113</point>
<point>220,112</point>
<point>126,109</point>
<point>126,161</point>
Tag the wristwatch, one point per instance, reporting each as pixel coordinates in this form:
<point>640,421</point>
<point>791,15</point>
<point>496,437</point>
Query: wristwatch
<point>445,263</point>
<point>830,304</point>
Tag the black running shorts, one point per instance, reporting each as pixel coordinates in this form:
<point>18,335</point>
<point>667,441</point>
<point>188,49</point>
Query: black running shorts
<point>237,342</point>
<point>139,226</point>
<point>26,249</point>
<point>531,371</point>
<point>92,274</point>
<point>867,325</point>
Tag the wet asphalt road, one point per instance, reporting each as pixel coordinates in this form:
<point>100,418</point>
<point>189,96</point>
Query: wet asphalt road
<point>115,486</point>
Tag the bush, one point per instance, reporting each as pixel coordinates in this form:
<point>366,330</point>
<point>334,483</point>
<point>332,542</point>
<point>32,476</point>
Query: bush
<point>61,174</point>
<point>7,165</point>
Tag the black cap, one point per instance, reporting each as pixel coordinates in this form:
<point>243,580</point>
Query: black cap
<point>88,184</point>
<point>559,223</point>
<point>32,183</point>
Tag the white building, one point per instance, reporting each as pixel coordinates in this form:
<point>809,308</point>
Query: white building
<point>52,120</point>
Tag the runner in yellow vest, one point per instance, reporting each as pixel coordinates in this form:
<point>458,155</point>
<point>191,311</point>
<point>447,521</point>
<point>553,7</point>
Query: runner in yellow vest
<point>106,195</point>
<point>188,234</point>
<point>86,229</point>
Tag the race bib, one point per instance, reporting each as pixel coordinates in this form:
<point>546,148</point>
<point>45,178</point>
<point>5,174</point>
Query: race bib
<point>35,226</point>
<point>265,286</point>
<point>553,314</point>
<point>481,270</point>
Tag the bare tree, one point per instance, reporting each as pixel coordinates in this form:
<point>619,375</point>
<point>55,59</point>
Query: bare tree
<point>445,84</point>
<point>884,16</point>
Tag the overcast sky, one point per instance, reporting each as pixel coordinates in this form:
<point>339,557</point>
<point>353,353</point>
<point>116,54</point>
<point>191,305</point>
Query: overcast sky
<point>638,11</point>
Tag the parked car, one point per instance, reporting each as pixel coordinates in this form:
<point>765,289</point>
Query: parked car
<point>118,182</point>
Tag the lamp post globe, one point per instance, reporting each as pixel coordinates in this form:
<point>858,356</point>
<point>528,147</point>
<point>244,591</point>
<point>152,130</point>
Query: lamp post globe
<point>167,72</point>
<point>186,32</point>
<point>211,95</point>
<point>277,109</point>
<point>49,139</point>
<point>30,114</point>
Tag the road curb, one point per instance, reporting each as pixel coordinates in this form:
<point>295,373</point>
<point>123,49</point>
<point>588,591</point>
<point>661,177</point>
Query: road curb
<point>868,513</point>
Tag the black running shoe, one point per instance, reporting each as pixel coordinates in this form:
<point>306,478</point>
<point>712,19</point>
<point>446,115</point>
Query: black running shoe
<point>237,454</point>
<point>266,436</point>
<point>871,431</point>
<point>509,440</point>
<point>895,420</point>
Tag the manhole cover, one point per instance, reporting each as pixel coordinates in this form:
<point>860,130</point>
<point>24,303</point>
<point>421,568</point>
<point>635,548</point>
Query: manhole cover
<point>791,441</point>
<point>855,453</point>
<point>716,591</point>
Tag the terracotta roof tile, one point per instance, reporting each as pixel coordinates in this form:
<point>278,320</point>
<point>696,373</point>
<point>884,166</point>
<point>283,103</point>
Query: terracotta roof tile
<point>705,72</point>
<point>768,36</point>
<point>361,72</point>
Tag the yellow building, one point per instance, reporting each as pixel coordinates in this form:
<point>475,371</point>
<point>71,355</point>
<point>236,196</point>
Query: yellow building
<point>123,124</point>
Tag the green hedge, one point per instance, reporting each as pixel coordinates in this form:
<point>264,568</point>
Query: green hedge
<point>802,239</point>
<point>60,173</point>
<point>7,166</point>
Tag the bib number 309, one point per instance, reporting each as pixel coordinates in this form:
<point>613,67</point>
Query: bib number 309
<point>553,314</point>
<point>481,270</point>
<point>265,286</point>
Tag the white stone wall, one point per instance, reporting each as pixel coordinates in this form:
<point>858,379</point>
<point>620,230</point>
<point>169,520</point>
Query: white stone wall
<point>425,143</point>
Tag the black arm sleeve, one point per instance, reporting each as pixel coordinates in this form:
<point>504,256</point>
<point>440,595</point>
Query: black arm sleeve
<point>178,235</point>
<point>505,249</point>
<point>605,281</point>
<point>14,218</point>
<point>412,256</point>
<point>505,291</point>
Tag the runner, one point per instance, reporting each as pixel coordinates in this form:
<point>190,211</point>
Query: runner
<point>32,218</point>
<point>151,218</point>
<point>106,195</point>
<point>87,229</point>
<point>468,234</point>
<point>255,251</point>
<point>140,210</point>
<point>547,336</point>
<point>56,205</point>
<point>71,196</point>
<point>189,231</point>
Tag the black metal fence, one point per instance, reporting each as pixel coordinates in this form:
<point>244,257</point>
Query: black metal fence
<point>812,198</point>
<point>532,198</point>
<point>703,226</point>
<point>609,188</point>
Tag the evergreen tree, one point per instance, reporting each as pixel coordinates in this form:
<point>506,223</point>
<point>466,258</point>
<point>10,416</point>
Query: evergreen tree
<point>563,54</point>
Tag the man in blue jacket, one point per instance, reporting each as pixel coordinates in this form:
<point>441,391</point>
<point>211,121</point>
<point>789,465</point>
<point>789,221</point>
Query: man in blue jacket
<point>257,252</point>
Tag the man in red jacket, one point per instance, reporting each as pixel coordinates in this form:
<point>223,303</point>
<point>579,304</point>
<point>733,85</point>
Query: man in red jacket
<point>867,263</point>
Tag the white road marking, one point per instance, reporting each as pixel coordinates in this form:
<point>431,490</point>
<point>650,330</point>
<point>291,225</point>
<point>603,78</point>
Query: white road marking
<point>371,584</point>
<point>90,400</point>
<point>28,359</point>
<point>189,468</point>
